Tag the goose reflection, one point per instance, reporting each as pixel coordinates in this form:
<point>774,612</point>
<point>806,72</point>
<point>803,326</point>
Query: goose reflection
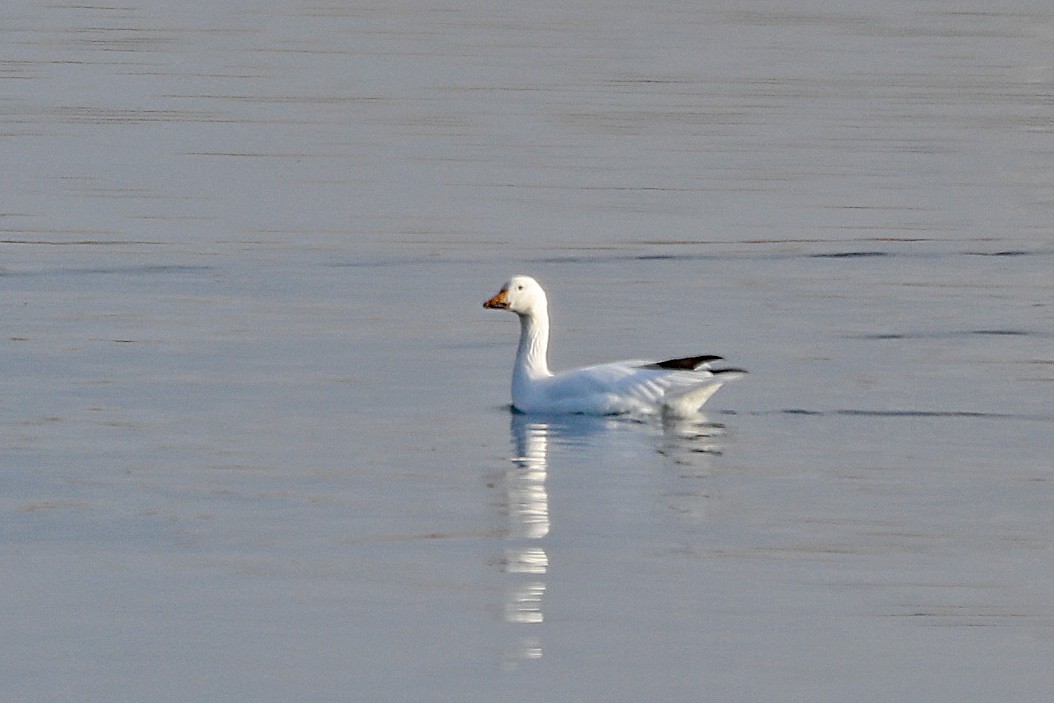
<point>690,441</point>
<point>527,524</point>
<point>684,444</point>
<point>526,561</point>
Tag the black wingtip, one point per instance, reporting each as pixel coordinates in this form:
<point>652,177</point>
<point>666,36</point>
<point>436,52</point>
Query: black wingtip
<point>688,363</point>
<point>718,372</point>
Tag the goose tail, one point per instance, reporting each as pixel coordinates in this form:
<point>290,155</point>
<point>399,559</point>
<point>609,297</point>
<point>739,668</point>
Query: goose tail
<point>690,401</point>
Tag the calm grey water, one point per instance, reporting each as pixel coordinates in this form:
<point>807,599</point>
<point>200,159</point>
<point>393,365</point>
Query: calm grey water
<point>255,435</point>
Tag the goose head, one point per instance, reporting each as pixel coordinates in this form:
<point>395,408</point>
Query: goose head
<point>521,295</point>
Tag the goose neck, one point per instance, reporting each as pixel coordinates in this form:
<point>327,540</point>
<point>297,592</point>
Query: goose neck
<point>531,357</point>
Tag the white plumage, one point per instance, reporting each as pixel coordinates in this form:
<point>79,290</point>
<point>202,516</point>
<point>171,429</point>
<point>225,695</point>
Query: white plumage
<point>677,387</point>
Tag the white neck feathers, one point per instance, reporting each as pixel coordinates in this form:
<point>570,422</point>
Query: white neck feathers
<point>531,356</point>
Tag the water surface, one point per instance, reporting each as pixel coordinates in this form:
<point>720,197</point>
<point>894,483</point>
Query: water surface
<point>255,425</point>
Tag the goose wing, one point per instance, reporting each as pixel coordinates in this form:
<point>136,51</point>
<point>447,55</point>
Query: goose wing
<point>628,386</point>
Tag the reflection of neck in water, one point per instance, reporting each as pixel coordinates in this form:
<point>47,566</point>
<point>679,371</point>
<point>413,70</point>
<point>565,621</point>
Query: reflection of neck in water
<point>527,511</point>
<point>528,502</point>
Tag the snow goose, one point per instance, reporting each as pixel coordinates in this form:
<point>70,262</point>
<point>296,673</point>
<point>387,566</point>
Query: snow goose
<point>673,388</point>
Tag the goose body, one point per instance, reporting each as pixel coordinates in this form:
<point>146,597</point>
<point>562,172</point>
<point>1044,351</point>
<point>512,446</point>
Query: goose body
<point>676,387</point>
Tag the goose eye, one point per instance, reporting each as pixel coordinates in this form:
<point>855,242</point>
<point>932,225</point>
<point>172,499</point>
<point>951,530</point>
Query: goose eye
<point>519,287</point>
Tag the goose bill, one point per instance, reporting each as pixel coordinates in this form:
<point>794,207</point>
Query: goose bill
<point>498,302</point>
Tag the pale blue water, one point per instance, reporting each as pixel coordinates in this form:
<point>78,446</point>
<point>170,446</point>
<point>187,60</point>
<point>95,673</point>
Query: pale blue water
<point>255,426</point>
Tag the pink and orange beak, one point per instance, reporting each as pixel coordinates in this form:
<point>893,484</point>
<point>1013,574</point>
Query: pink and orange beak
<point>498,302</point>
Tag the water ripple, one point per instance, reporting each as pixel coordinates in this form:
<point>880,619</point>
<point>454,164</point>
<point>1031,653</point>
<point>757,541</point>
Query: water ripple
<point>968,414</point>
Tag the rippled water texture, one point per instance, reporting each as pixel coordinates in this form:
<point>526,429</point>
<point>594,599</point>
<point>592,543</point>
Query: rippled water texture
<point>256,442</point>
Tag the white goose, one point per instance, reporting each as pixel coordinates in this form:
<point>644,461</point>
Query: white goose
<point>676,387</point>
